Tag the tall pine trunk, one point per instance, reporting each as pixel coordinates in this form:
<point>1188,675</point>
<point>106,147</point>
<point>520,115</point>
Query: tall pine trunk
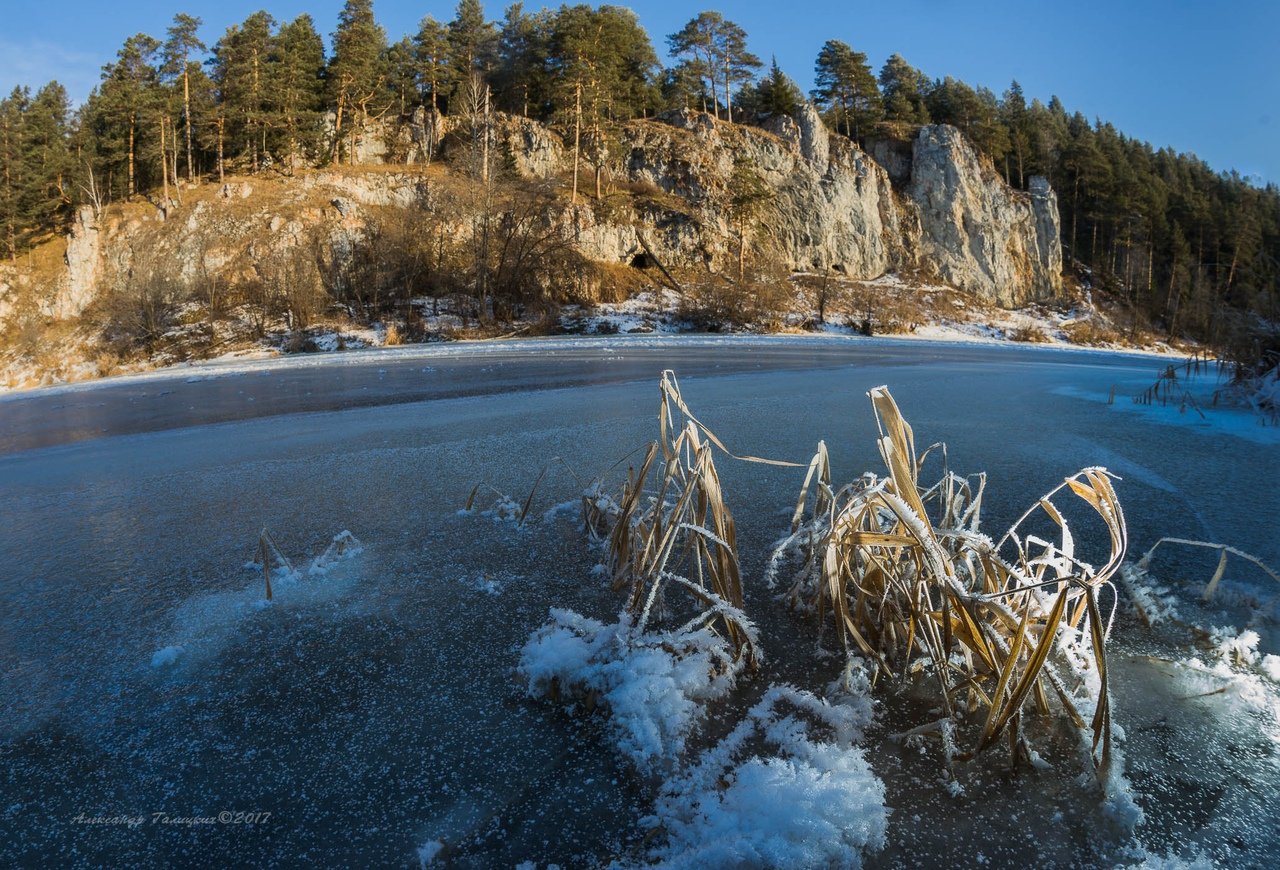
<point>577,137</point>
<point>186,121</point>
<point>132,187</point>
<point>164,165</point>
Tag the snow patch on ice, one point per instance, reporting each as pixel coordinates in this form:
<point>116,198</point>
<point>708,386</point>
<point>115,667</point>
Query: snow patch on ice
<point>1149,861</point>
<point>343,546</point>
<point>505,510</point>
<point>166,656</point>
<point>654,684</point>
<point>428,852</point>
<point>204,622</point>
<point>1216,421</point>
<point>781,790</point>
<point>488,583</point>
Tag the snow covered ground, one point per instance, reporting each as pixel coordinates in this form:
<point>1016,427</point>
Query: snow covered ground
<point>374,708</point>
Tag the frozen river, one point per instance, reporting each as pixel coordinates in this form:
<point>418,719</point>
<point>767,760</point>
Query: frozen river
<point>373,707</point>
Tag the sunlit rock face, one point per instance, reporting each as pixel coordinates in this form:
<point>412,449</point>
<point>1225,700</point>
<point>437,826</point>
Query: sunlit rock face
<point>941,210</point>
<point>978,233</point>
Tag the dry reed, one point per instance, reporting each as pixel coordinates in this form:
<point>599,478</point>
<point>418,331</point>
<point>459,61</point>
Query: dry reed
<point>919,591</point>
<point>1145,562</point>
<point>670,527</point>
<point>267,548</point>
<point>1169,385</point>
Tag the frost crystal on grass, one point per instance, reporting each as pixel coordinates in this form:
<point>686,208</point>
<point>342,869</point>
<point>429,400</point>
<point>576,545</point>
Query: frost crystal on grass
<point>1154,603</point>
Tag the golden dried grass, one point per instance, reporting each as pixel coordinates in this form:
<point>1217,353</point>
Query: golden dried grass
<point>670,527</point>
<point>924,594</point>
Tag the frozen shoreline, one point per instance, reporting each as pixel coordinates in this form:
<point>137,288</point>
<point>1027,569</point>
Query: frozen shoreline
<point>240,365</point>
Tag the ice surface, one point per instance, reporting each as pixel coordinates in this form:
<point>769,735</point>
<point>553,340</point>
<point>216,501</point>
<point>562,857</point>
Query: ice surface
<point>376,708</point>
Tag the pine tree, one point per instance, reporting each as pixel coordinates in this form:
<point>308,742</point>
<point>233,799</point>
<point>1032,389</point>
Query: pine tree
<point>13,220</point>
<point>846,88</point>
<point>436,77</point>
<point>472,40</point>
<point>738,66</point>
<point>684,86</point>
<point>297,87</point>
<point>47,157</point>
<point>903,89</point>
<point>716,49</point>
<point>357,71</point>
<point>177,64</point>
<point>1017,119</point>
<point>603,67</point>
<point>694,46</point>
<point>34,165</point>
<point>520,73</point>
<point>241,69</point>
<point>402,76</point>
<point>776,94</point>
<point>127,99</point>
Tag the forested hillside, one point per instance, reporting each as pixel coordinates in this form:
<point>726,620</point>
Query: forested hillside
<point>1190,250</point>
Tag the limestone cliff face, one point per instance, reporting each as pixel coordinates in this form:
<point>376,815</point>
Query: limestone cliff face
<point>976,232</point>
<point>65,281</point>
<point>84,267</point>
<point>937,208</point>
<point>832,206</point>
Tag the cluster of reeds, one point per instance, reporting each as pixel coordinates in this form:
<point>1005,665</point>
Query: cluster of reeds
<point>670,528</point>
<point>1169,386</point>
<point>916,589</point>
<point>343,545</point>
<point>502,506</point>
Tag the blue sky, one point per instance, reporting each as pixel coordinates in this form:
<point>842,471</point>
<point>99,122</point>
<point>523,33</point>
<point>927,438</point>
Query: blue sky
<point>1200,77</point>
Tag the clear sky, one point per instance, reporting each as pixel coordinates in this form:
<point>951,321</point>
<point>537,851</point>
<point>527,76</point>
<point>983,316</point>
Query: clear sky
<point>1200,77</point>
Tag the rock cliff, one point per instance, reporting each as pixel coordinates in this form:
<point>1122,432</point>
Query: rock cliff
<point>976,232</point>
<point>939,209</point>
<point>833,206</point>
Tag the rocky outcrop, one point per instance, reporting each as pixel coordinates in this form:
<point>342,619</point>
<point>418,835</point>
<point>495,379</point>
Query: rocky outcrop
<point>976,232</point>
<point>400,189</point>
<point>62,292</point>
<point>832,207</point>
<point>534,150</point>
<point>894,155</point>
<point>84,266</point>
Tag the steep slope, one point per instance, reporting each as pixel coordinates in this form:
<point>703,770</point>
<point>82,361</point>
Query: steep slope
<point>832,208</point>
